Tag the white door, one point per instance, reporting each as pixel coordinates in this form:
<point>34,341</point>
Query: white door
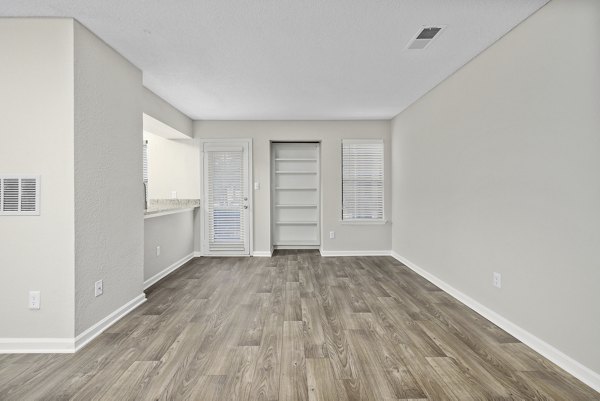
<point>226,203</point>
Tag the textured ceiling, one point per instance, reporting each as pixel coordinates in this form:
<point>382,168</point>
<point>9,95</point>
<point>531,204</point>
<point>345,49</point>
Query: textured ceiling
<point>289,59</point>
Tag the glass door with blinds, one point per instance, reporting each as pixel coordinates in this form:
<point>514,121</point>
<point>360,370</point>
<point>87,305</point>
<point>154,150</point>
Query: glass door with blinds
<point>226,198</point>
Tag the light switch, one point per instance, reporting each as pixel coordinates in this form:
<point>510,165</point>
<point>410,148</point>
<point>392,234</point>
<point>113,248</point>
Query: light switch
<point>34,300</point>
<point>98,288</point>
<point>257,185</point>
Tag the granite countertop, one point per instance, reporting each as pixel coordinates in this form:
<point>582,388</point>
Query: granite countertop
<point>161,207</point>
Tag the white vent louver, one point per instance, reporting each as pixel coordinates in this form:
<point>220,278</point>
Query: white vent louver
<point>19,195</point>
<point>425,37</point>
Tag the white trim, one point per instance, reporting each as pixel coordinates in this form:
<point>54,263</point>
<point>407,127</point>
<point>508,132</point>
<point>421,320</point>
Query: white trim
<point>298,247</point>
<point>354,253</point>
<point>84,338</point>
<point>158,276</point>
<point>67,345</point>
<point>197,254</point>
<point>364,221</point>
<point>567,363</point>
<point>37,345</point>
<point>262,254</point>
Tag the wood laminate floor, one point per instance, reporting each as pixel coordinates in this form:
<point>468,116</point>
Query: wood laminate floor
<point>294,327</point>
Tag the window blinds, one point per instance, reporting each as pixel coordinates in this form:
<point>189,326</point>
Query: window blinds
<point>145,161</point>
<point>145,171</point>
<point>225,200</point>
<point>362,180</point>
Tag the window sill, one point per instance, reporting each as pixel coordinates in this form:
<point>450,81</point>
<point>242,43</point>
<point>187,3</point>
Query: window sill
<point>364,222</point>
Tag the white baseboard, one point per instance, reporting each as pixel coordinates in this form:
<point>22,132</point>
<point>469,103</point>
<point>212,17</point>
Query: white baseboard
<point>94,331</point>
<point>567,363</point>
<point>168,270</point>
<point>197,254</point>
<point>37,345</point>
<point>298,247</point>
<point>261,254</point>
<point>67,345</point>
<point>355,253</point>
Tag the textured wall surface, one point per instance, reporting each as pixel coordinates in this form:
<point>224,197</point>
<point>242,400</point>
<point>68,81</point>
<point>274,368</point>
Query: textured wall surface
<point>109,197</point>
<point>36,137</point>
<point>349,237</point>
<point>497,170</point>
<point>156,107</point>
<point>174,233</point>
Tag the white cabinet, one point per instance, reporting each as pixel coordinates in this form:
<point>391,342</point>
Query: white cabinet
<point>295,179</point>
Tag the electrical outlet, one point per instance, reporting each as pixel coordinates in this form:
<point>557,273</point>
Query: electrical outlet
<point>98,288</point>
<point>331,234</point>
<point>34,300</point>
<point>158,251</point>
<point>173,194</point>
<point>497,280</point>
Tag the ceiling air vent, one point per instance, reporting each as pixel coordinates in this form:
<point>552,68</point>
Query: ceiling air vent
<point>19,195</point>
<point>424,37</point>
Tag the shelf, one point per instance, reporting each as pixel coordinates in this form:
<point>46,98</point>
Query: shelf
<point>296,223</point>
<point>295,188</point>
<point>295,193</point>
<point>284,159</point>
<point>296,206</point>
<point>295,172</point>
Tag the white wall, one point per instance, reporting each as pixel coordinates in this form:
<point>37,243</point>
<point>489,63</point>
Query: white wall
<point>36,137</point>
<point>109,197</point>
<point>158,108</point>
<point>174,233</point>
<point>496,169</point>
<point>349,237</point>
<point>173,165</point>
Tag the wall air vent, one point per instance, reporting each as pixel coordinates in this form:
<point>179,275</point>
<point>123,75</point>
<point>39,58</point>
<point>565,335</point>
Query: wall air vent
<point>19,195</point>
<point>424,37</point>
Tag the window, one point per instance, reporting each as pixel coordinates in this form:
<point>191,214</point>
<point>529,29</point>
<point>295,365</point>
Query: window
<point>362,180</point>
<point>145,171</point>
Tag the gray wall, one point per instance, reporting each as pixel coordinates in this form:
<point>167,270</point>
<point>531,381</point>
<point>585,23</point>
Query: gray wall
<point>496,169</point>
<point>349,237</point>
<point>36,131</point>
<point>174,233</point>
<point>158,108</point>
<point>109,198</point>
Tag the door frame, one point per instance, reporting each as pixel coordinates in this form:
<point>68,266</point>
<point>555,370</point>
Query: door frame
<point>203,213</point>
<point>319,142</point>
